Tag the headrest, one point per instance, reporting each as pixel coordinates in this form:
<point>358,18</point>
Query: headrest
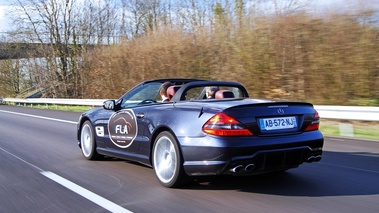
<point>224,94</point>
<point>171,91</point>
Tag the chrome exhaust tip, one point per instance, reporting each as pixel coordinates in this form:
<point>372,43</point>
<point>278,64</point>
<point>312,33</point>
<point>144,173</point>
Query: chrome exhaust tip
<point>249,167</point>
<point>314,158</point>
<point>318,158</point>
<point>311,159</point>
<point>237,169</point>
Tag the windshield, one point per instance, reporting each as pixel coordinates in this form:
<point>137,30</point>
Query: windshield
<point>141,93</point>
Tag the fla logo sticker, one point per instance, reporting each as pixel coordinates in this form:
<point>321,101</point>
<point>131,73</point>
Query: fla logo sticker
<point>122,128</point>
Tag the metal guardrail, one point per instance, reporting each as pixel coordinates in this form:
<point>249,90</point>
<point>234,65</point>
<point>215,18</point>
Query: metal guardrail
<point>358,113</point>
<point>325,111</point>
<point>56,101</point>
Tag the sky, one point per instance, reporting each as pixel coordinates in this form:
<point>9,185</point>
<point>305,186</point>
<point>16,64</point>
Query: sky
<point>4,21</point>
<point>2,16</point>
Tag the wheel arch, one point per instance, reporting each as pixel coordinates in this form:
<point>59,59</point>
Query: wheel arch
<point>80,124</point>
<point>155,135</point>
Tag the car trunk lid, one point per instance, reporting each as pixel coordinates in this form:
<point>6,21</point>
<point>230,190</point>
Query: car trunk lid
<point>276,118</point>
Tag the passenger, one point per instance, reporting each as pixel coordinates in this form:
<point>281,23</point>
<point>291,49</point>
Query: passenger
<point>163,91</point>
<point>211,91</point>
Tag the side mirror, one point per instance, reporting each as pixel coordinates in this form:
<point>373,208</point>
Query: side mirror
<point>109,105</point>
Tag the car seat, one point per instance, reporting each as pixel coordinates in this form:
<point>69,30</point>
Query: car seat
<point>171,91</point>
<point>224,94</point>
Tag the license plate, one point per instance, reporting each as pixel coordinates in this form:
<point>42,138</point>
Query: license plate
<point>278,123</point>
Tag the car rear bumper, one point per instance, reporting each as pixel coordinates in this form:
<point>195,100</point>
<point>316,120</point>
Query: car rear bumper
<point>249,156</point>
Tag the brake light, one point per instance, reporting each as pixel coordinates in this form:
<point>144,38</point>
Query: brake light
<point>314,124</point>
<point>224,125</point>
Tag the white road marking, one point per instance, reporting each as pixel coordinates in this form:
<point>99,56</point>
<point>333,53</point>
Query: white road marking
<point>41,117</point>
<point>106,204</point>
<point>15,156</point>
<point>100,201</point>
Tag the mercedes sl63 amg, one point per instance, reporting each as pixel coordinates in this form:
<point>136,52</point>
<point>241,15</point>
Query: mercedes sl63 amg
<point>201,128</point>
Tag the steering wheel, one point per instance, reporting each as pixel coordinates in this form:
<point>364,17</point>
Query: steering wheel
<point>147,101</point>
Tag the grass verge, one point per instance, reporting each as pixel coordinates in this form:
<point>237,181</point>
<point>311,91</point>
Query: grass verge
<point>357,129</point>
<point>70,108</point>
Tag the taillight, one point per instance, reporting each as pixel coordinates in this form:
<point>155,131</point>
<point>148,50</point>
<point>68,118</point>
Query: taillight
<point>314,124</point>
<point>224,125</point>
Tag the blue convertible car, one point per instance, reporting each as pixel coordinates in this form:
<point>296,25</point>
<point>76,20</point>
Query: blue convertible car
<point>203,128</point>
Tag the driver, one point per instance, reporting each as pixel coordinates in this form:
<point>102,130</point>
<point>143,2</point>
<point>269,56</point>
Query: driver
<point>163,90</point>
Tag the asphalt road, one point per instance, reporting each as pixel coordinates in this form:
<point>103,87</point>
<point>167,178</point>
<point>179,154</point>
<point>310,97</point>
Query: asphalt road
<point>43,170</point>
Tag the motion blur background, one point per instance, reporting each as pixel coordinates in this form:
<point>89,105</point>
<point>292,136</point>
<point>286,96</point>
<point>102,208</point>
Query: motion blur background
<point>325,52</point>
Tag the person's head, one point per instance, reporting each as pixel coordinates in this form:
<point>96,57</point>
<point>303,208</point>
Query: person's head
<point>211,91</point>
<point>163,90</point>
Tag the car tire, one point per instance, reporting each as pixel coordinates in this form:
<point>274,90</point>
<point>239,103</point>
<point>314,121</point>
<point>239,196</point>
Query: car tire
<point>88,142</point>
<point>167,161</point>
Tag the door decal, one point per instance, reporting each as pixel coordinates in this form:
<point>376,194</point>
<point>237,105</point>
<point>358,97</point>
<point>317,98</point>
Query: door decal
<point>122,128</point>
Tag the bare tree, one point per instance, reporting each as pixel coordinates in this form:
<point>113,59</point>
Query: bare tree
<point>97,22</point>
<point>49,23</point>
<point>64,29</point>
<point>141,17</point>
<point>12,79</point>
<point>193,14</point>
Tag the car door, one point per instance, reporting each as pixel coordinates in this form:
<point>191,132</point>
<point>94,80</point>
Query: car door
<point>127,126</point>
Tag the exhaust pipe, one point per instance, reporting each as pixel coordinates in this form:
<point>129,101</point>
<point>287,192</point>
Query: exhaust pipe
<point>318,158</point>
<point>237,169</point>
<point>314,158</point>
<point>249,167</point>
<point>311,159</point>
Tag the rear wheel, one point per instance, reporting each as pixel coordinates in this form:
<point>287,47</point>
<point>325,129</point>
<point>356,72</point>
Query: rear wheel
<point>167,161</point>
<point>88,143</point>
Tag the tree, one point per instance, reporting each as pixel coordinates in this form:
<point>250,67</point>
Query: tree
<point>50,24</point>
<point>142,17</point>
<point>66,30</point>
<point>12,79</point>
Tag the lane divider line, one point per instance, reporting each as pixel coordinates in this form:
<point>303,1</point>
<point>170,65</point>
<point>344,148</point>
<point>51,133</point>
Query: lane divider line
<point>41,117</point>
<point>98,200</point>
<point>20,159</point>
<point>106,204</point>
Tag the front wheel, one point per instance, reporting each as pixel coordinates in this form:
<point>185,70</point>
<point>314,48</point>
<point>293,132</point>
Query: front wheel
<point>88,143</point>
<point>167,161</point>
